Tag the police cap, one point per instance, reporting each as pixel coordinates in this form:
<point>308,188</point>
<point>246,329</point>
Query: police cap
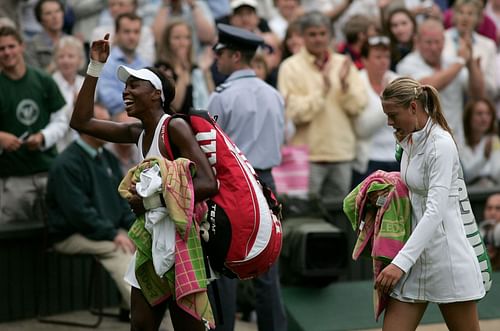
<point>238,39</point>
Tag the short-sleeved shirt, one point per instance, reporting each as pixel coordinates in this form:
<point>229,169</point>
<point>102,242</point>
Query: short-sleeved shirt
<point>251,113</point>
<point>26,105</point>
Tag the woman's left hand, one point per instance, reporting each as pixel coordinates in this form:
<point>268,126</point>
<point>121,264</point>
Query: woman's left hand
<point>388,278</point>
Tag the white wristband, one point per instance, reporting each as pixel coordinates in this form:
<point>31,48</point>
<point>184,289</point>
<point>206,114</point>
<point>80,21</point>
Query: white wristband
<point>94,68</point>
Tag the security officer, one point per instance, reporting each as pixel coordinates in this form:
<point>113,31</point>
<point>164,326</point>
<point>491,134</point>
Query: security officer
<point>251,112</point>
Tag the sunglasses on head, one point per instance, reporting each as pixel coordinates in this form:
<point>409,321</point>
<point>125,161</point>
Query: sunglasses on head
<point>378,40</point>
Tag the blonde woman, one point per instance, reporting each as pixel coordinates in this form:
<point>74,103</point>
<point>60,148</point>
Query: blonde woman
<point>437,263</point>
<point>69,58</point>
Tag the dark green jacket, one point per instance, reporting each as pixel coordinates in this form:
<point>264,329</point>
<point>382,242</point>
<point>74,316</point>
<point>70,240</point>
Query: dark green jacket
<point>82,196</point>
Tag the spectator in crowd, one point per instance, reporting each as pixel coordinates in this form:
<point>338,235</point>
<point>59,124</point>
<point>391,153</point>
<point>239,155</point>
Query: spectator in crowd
<point>480,154</point>
<point>32,120</point>
<point>375,145</point>
<point>175,54</point>
<point>323,91</point>
<point>485,25</point>
<point>251,113</point>
<point>146,47</point>
<point>40,48</point>
<point>109,88</point>
<point>287,12</point>
<point>467,14</point>
<point>356,31</point>
<point>86,214</point>
<point>401,28</point>
<point>454,77</point>
<point>195,12</point>
<point>293,41</point>
<point>69,58</point>
<point>490,229</point>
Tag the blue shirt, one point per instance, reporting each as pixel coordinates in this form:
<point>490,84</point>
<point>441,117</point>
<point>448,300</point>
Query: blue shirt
<point>251,112</point>
<point>109,87</point>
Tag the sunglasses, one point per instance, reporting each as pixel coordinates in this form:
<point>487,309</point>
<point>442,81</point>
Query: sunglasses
<point>378,40</point>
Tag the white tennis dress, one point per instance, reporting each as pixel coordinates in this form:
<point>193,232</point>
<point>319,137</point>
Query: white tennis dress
<point>440,264</point>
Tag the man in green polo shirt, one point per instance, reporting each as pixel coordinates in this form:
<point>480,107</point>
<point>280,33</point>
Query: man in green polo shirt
<point>32,119</point>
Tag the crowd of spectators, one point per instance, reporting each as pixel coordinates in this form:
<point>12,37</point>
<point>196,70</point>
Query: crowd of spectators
<point>330,67</point>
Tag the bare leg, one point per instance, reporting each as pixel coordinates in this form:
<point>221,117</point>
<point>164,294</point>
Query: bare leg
<point>145,317</point>
<point>403,316</point>
<point>181,320</point>
<point>460,316</point>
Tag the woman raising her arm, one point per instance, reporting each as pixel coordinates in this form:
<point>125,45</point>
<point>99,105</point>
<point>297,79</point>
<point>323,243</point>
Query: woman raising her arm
<point>147,97</point>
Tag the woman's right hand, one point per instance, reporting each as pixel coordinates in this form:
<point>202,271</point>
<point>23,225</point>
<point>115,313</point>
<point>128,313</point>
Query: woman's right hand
<point>99,51</point>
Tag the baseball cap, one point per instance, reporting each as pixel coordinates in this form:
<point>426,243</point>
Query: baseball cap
<point>239,3</point>
<point>125,72</point>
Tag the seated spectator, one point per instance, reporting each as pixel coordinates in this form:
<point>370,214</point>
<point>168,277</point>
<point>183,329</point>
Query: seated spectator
<point>467,14</point>
<point>109,87</point>
<point>287,12</point>
<point>86,215</point>
<point>69,58</point>
<point>480,155</point>
<point>146,48</point>
<point>293,41</point>
<point>39,49</point>
<point>32,120</point>
<point>175,54</point>
<point>375,144</point>
<point>401,28</point>
<point>356,32</point>
<point>195,12</point>
<point>490,229</point>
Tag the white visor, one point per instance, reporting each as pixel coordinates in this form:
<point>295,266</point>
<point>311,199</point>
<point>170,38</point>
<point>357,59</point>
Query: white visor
<point>124,73</point>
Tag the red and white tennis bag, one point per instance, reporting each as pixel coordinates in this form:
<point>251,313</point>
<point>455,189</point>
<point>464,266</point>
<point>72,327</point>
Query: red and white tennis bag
<point>242,235</point>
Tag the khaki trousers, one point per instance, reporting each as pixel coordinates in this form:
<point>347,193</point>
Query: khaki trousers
<point>113,259</point>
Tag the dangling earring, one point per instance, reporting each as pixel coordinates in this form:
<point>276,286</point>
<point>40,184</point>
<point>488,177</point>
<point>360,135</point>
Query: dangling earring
<point>416,123</point>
